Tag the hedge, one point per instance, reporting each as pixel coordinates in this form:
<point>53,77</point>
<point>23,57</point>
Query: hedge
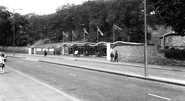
<point>175,54</point>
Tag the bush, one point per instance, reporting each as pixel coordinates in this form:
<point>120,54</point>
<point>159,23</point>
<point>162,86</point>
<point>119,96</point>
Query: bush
<point>175,54</point>
<point>161,50</point>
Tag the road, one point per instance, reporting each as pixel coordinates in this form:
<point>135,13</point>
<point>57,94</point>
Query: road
<point>177,73</point>
<point>90,85</point>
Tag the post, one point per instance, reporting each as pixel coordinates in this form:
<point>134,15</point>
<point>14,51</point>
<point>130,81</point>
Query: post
<point>145,47</point>
<point>113,33</point>
<point>71,36</point>
<point>13,32</point>
<point>97,34</point>
<point>108,51</point>
<point>84,43</point>
<point>29,50</point>
<point>84,36</point>
<point>63,37</point>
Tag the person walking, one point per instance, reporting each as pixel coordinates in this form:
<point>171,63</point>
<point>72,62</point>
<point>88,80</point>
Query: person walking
<point>112,57</point>
<point>116,56</point>
<point>2,63</point>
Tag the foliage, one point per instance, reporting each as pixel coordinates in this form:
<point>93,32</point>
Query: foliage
<point>5,27</point>
<point>21,35</point>
<point>175,53</point>
<point>172,12</point>
<point>124,13</point>
<point>127,14</point>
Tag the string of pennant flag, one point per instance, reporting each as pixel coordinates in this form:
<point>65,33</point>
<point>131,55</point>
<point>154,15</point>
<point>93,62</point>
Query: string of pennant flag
<point>85,31</point>
<point>116,27</point>
<point>73,34</point>
<point>65,34</point>
<point>98,29</point>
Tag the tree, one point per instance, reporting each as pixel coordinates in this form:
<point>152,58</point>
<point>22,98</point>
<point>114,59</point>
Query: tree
<point>172,12</point>
<point>5,27</point>
<point>126,14</point>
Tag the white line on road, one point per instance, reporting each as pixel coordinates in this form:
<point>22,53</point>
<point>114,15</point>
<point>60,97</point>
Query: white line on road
<point>169,73</point>
<point>159,96</point>
<point>38,66</point>
<point>72,74</point>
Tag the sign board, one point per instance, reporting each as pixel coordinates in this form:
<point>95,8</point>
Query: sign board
<point>76,52</point>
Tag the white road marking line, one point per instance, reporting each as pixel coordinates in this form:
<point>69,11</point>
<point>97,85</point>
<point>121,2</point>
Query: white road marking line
<point>38,66</point>
<point>169,73</point>
<point>159,96</point>
<point>72,74</point>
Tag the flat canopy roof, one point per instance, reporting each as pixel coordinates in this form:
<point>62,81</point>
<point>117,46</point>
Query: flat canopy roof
<point>58,45</point>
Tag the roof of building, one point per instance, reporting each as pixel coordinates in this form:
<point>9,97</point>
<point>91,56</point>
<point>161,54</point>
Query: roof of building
<point>171,33</point>
<point>69,44</point>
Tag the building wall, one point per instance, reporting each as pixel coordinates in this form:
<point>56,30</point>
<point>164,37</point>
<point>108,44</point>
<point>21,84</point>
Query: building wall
<point>155,34</point>
<point>168,41</point>
<point>136,53</point>
<point>16,49</point>
<point>50,51</point>
<point>174,41</point>
<point>178,41</point>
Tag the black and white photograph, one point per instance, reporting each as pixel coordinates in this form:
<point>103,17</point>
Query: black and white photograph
<point>92,50</point>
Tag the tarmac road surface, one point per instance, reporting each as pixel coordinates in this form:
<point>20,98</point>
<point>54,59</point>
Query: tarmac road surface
<point>90,85</point>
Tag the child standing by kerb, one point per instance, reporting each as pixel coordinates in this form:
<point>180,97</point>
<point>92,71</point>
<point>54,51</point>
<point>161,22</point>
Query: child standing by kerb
<point>2,64</point>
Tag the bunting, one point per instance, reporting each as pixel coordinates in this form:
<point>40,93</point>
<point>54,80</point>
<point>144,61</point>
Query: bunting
<point>64,34</point>
<point>85,31</point>
<point>116,27</point>
<point>73,34</point>
<point>98,29</point>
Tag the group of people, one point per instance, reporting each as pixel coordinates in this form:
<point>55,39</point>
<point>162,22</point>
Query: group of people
<point>114,57</point>
<point>2,62</point>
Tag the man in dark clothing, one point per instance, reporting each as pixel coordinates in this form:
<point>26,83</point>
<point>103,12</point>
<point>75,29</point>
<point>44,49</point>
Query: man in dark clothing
<point>45,53</point>
<point>111,56</point>
<point>116,56</point>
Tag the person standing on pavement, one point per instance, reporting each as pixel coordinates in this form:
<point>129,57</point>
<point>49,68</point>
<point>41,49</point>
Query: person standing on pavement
<point>112,57</point>
<point>45,53</point>
<point>2,63</point>
<point>116,56</point>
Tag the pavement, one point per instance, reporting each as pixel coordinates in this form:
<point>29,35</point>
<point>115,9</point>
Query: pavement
<point>17,86</point>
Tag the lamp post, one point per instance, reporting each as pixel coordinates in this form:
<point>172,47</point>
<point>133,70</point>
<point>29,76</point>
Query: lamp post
<point>13,32</point>
<point>145,46</point>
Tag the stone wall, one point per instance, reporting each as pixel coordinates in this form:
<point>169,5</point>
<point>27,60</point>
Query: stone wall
<point>136,53</point>
<point>17,49</point>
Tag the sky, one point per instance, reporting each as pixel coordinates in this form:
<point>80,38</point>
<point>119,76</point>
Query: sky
<point>40,7</point>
